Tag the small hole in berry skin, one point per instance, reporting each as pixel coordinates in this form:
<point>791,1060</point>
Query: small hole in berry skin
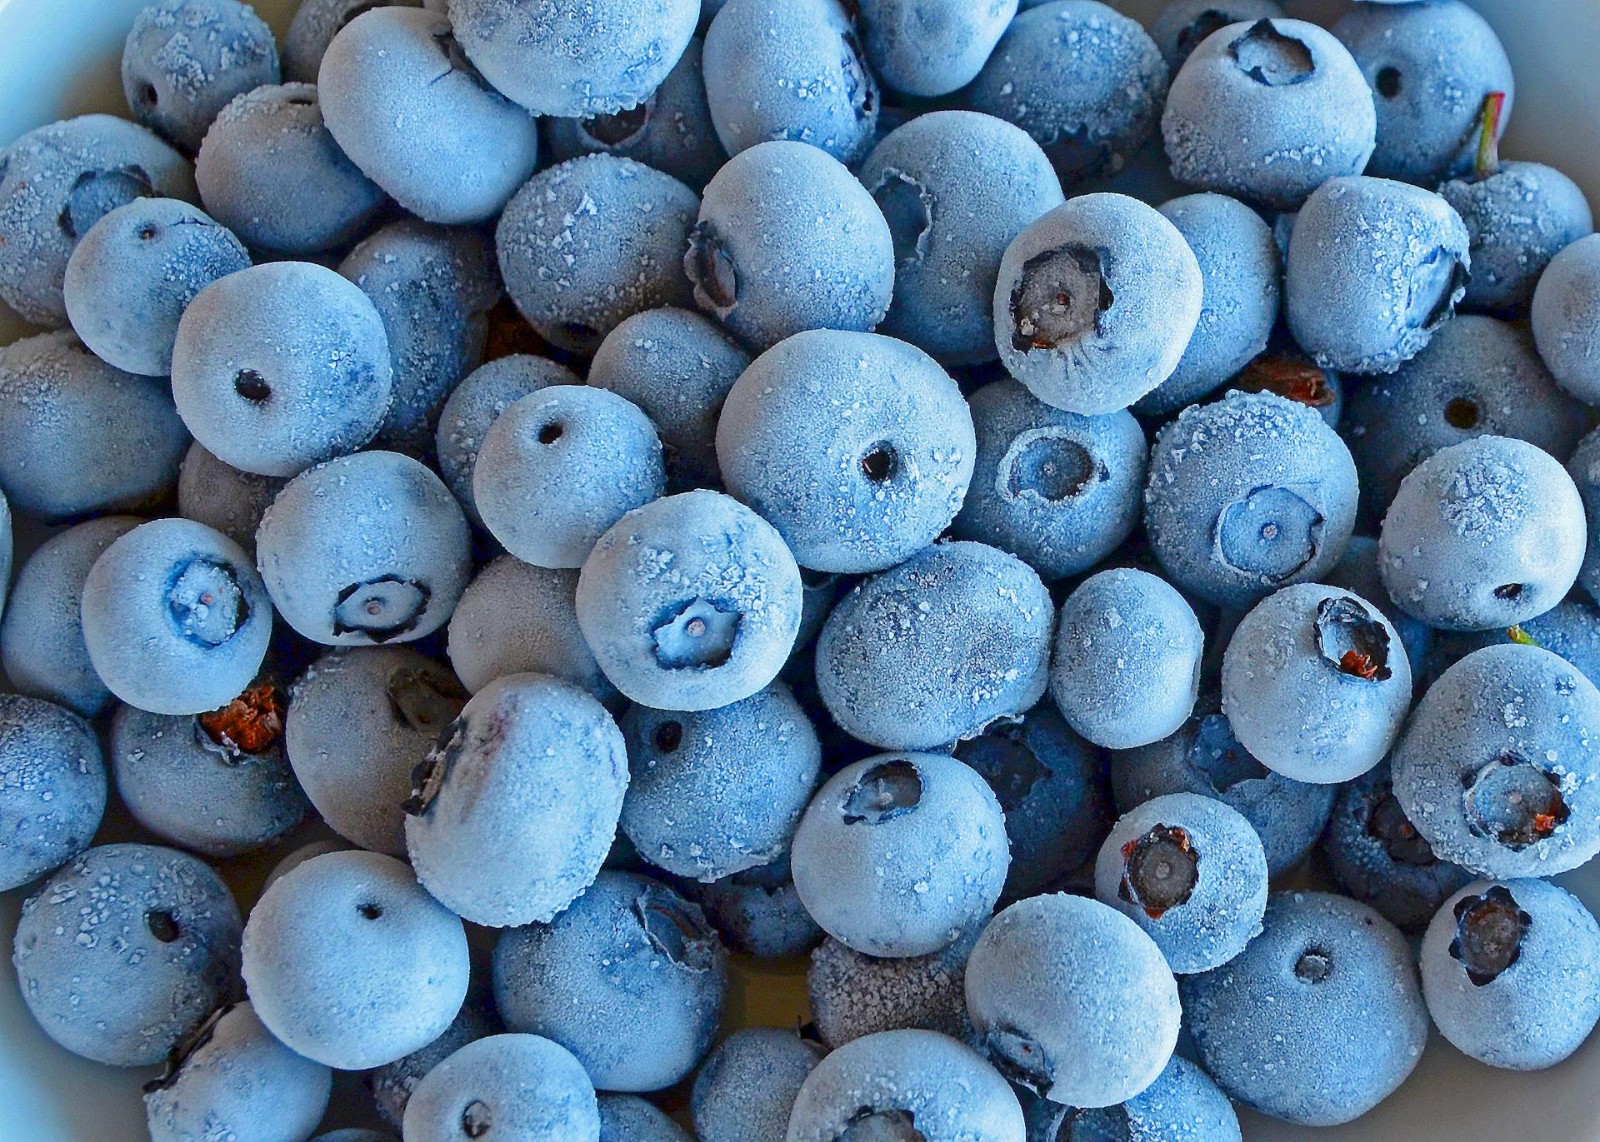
<point>475,1119</point>
<point>669,736</point>
<point>878,465</point>
<point>1509,592</point>
<point>1314,966</point>
<point>550,433</point>
<point>1461,413</point>
<point>146,95</point>
<point>163,926</point>
<point>369,910</point>
<point>147,233</point>
<point>1388,82</point>
<point>251,385</point>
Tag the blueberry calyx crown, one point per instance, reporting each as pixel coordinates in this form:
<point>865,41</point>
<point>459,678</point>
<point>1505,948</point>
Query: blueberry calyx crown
<point>675,929</point>
<point>382,609</point>
<point>1388,824</point>
<point>1513,802</point>
<point>1060,297</point>
<point>888,790</point>
<point>869,1125</point>
<point>1159,870</point>
<point>250,724</point>
<point>425,700</point>
<point>428,778</point>
<point>1353,639</point>
<point>1489,933</point>
<point>1292,379</point>
<point>1272,58</point>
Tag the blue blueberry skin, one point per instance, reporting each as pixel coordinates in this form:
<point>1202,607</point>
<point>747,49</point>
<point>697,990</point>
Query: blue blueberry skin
<point>363,550</point>
<point>125,950</point>
<point>1268,110</point>
<point>1347,1022</point>
<point>955,188</point>
<point>270,171</point>
<point>591,241</point>
<point>790,69</point>
<point>1509,971</point>
<point>476,403</point>
<point>59,180</point>
<point>1183,1103</point>
<point>222,497</point>
<point>1073,1000</point>
<point>415,117</point>
<point>1378,857</point>
<point>1126,670</point>
<point>1241,271</point>
<point>41,637</point>
<point>1566,318</point>
<point>1084,80</point>
<point>78,436</point>
<point>1248,495</point>
<point>787,240</point>
<point>1584,468</point>
<point>1182,25</point>
<point>1496,767</point>
<point>1431,66</point>
<point>1483,534</point>
<point>853,995</point>
<point>857,448</point>
<point>758,912</point>
<point>1057,490</point>
<point>185,60</point>
<point>1132,290</point>
<point>237,1081</point>
<point>1051,785</point>
<point>351,963</point>
<point>1519,217</point>
<point>677,366</point>
<point>934,650</point>
<point>899,854</point>
<point>925,49</point>
<point>598,59</point>
<point>52,788</point>
<point>519,1086</point>
<point>313,27</point>
<point>1374,269</point>
<point>393,1084</point>
<point>895,1078</point>
<point>1477,377</point>
<point>131,276</point>
<point>560,467</point>
<point>690,603</point>
<point>747,1085</point>
<point>1204,757</point>
<point>281,366</point>
<point>629,1118</point>
<point>669,130</point>
<point>716,792</point>
<point>175,618</point>
<point>360,722</point>
<point>630,979</point>
<point>7,548</point>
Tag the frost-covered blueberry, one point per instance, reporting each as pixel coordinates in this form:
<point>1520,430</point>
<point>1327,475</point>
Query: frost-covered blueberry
<point>930,48</point>
<point>52,788</point>
<point>629,1118</point>
<point>1566,318</point>
<point>747,1085</point>
<point>758,911</point>
<point>1183,1102</point>
<point>505,1086</point>
<point>316,22</point>
<point>852,994</point>
<point>1519,216</point>
<point>1183,25</point>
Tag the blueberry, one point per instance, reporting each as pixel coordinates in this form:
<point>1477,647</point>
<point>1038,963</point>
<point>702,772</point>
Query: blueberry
<point>224,498</point>
<point>852,994</point>
<point>629,1118</point>
<point>513,1086</point>
<point>52,788</point>
<point>926,49</point>
<point>1183,1102</point>
<point>748,1083</point>
<point>316,22</point>
<point>1183,25</point>
<point>758,912</point>
<point>1584,468</point>
<point>1566,314</point>
<point>1519,217</point>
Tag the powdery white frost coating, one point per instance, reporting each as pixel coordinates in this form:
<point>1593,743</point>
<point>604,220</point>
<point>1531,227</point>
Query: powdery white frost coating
<point>52,788</point>
<point>1073,1000</point>
<point>1182,1105</point>
<point>758,911</point>
<point>944,1087</point>
<point>852,994</point>
<point>525,1087</point>
<point>1566,318</point>
<point>747,1086</point>
<point>931,47</point>
<point>1519,218</point>
<point>222,497</point>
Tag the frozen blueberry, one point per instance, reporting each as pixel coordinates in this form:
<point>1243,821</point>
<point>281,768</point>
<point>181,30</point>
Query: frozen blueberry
<point>7,550</point>
<point>175,618</point>
<point>852,995</point>
<point>1510,973</point>
<point>858,448</point>
<point>1268,110</point>
<point>1432,66</point>
<point>1239,265</point>
<point>1247,495</point>
<point>790,69</point>
<point>316,22</point>
<point>758,912</point>
<point>405,104</point>
<point>392,1084</point>
<point>298,856</point>
<point>716,792</point>
<point>1291,376</point>
<point>1346,1024</point>
<point>788,240</point>
<point>281,366</point>
<point>898,1084</point>
<point>369,548</point>
<point>1182,25</point>
<point>1584,468</point>
<point>1374,269</point>
<point>936,649</point>
<point>630,979</point>
<point>1183,1103</point>
<point>1072,1000</point>
<point>131,276</point>
<point>222,497</point>
<point>1084,80</point>
<point>41,638</point>
<point>690,602</point>
<point>476,403</point>
<point>1126,669</point>
<point>677,366</point>
<point>52,788</point>
<point>1058,490</point>
<point>1483,534</point>
<point>351,963</point>
<point>125,950</point>
<point>1496,768</point>
<point>78,436</point>
<point>511,1086</point>
<point>184,60</point>
<point>747,1085</point>
<point>234,1080</point>
<point>898,854</point>
<point>629,1118</point>
<point>270,171</point>
<point>1095,302</point>
<point>1566,318</point>
<point>591,241</point>
<point>930,48</point>
<point>1519,216</point>
<point>1379,858</point>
